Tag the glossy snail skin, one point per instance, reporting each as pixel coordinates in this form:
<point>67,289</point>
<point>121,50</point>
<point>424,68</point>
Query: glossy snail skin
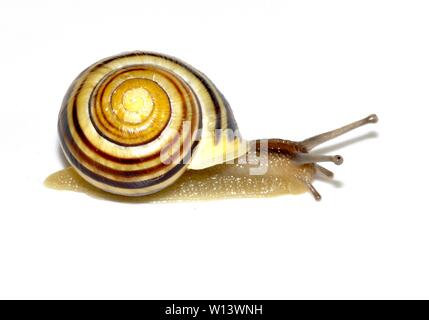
<point>133,123</point>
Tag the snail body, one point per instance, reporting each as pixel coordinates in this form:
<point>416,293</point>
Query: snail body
<point>132,124</point>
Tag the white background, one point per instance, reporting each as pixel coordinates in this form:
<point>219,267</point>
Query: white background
<point>290,69</point>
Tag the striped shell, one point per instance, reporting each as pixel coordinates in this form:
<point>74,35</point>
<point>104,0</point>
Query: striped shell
<point>133,123</point>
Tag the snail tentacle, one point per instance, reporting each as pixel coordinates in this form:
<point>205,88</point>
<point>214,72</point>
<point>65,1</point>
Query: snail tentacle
<point>314,141</point>
<point>304,158</point>
<point>313,191</point>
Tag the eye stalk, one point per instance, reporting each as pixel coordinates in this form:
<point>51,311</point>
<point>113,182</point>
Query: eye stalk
<point>314,141</point>
<point>303,158</point>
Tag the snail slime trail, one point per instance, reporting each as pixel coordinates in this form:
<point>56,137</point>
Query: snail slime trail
<point>224,181</point>
<point>121,113</point>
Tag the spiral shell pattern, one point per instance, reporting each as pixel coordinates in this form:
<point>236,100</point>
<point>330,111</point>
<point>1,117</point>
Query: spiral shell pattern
<point>130,124</point>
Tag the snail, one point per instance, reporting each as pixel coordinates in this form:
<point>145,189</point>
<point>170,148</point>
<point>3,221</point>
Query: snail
<point>134,123</point>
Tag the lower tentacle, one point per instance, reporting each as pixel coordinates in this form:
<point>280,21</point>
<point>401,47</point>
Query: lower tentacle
<point>313,191</point>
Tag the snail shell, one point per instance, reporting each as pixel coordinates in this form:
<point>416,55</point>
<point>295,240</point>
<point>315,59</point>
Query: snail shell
<point>133,123</point>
